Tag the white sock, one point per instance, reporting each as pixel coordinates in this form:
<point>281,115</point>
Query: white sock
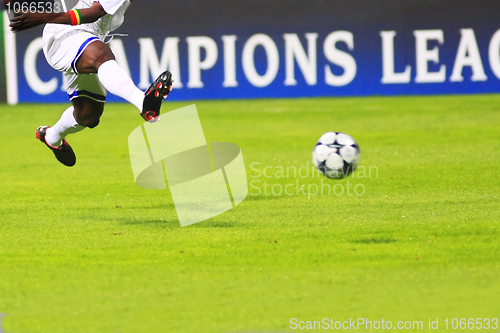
<point>66,125</point>
<point>117,82</point>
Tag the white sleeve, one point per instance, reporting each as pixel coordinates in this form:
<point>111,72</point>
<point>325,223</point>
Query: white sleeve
<point>111,6</point>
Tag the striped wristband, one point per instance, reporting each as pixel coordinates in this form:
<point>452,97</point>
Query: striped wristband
<point>76,17</point>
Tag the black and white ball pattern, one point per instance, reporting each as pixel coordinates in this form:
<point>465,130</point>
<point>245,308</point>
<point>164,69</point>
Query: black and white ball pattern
<point>336,155</point>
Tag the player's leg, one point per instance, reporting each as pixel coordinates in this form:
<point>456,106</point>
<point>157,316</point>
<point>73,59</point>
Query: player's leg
<point>98,58</point>
<point>87,111</point>
<point>84,112</point>
<point>88,97</point>
<point>80,52</point>
<point>53,136</point>
<point>114,78</point>
<point>67,124</point>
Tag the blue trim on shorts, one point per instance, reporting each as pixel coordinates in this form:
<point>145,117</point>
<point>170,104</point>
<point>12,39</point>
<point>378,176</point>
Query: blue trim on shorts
<point>80,52</point>
<point>85,93</point>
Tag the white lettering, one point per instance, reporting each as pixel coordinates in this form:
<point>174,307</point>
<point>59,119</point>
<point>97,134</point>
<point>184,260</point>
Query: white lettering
<point>468,55</point>
<point>340,58</point>
<point>494,53</point>
<point>195,44</point>
<point>424,56</point>
<point>31,73</point>
<point>229,61</point>
<point>273,60</point>
<point>390,76</point>
<point>307,64</point>
<point>149,63</point>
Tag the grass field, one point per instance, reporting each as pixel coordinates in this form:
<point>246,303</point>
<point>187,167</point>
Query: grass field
<point>84,249</point>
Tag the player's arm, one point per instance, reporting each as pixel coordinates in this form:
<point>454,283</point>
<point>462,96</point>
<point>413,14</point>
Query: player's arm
<point>30,20</point>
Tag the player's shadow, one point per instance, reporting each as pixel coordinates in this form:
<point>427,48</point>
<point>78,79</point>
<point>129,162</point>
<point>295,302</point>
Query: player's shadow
<point>265,197</point>
<point>141,212</point>
<point>374,240</point>
<point>169,206</point>
<point>215,224</point>
<point>137,221</point>
<point>174,222</point>
<point>166,206</point>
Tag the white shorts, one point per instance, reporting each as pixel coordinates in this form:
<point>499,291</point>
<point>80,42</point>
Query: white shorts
<point>62,49</point>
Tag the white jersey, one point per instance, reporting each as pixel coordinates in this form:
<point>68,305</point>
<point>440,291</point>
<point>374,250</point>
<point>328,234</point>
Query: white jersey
<point>115,15</point>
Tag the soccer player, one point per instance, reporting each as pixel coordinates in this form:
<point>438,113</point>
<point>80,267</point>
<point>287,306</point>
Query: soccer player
<point>73,43</point>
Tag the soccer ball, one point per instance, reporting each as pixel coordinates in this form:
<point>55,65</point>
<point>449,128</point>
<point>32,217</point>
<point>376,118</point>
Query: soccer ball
<point>336,155</point>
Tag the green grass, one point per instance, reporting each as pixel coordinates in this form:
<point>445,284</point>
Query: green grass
<point>84,249</point>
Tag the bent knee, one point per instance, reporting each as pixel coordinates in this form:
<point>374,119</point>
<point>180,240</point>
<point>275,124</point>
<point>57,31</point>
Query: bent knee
<point>90,122</point>
<point>87,112</point>
<point>99,59</point>
<point>102,56</point>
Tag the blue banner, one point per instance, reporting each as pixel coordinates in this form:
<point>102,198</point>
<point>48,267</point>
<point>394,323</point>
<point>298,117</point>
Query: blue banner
<point>220,49</point>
